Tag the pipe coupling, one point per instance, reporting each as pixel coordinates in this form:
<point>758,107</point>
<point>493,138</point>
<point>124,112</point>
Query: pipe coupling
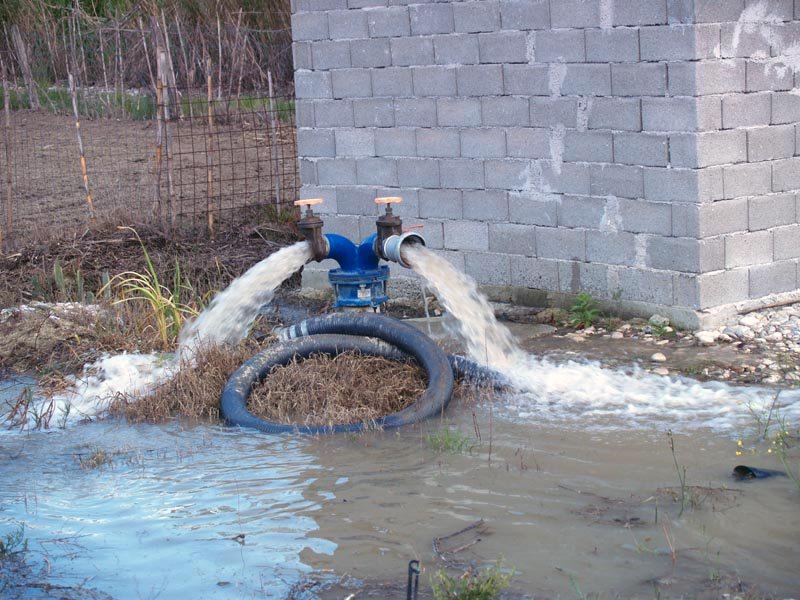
<point>392,247</point>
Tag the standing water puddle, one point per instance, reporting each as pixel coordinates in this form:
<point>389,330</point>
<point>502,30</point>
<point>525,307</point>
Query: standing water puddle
<point>573,478</point>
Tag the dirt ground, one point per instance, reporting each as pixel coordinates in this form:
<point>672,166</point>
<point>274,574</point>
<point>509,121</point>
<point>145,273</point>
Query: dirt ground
<point>249,163</point>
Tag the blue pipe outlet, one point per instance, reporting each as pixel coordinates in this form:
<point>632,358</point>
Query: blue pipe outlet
<point>360,281</point>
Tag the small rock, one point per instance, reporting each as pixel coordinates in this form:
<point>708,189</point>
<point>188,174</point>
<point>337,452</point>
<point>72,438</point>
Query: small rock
<point>575,337</point>
<point>740,332</point>
<point>662,342</point>
<point>658,321</point>
<point>774,337</point>
<point>725,338</point>
<point>617,335</point>
<point>750,321</point>
<point>707,338</point>
<point>661,371</point>
<point>658,357</point>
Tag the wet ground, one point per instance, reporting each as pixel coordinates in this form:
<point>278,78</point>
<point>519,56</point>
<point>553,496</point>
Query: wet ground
<point>577,505</point>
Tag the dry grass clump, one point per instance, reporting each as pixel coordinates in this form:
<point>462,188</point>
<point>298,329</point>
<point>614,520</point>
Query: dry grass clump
<point>193,392</point>
<point>348,388</point>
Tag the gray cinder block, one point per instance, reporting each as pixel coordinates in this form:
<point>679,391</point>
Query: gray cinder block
<point>373,112</point>
<point>503,47</point>
<point>615,113</point>
<point>645,149</point>
<point>775,210</point>
<point>483,143</point>
<point>560,45</point>
<point>526,80</point>
<point>442,143</point>
<point>505,111</point>
<point>480,80</point>
<point>434,81</point>
<point>422,173</point>
<point>347,24</point>
<point>377,171</point>
<point>330,54</point>
<point>560,243</point>
<point>415,112</point>
<point>536,273</point>
<point>456,49</point>
<point>312,84</point>
<point>746,180</point>
<point>525,14</point>
<point>488,268</point>
<point>309,26</point>
<point>370,53</point>
<point>442,204</point>
<point>458,112</point>
<point>462,173</point>
<point>427,19</point>
<point>316,142</point>
<point>612,45</point>
<point>350,83</point>
<point>485,205</point>
<point>389,22</point>
<point>750,248</point>
<point>510,238</point>
<point>639,79</point>
<point>773,279</point>
<point>770,143</point>
<point>408,51</point>
<point>466,235</point>
<point>476,16</point>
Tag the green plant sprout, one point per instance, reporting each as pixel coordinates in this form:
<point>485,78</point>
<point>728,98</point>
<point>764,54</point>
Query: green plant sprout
<point>483,585</point>
<point>583,311</point>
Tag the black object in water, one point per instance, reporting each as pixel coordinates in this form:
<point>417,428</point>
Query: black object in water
<point>745,472</point>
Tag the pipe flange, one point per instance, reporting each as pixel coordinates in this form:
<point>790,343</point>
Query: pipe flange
<point>392,247</point>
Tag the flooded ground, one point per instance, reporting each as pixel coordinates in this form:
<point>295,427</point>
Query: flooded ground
<point>205,511</point>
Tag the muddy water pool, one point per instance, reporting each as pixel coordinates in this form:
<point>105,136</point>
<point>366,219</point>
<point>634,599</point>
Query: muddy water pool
<point>575,508</point>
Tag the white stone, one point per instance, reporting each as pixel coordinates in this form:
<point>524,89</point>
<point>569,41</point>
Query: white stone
<point>617,335</point>
<point>707,338</point>
<point>750,321</point>
<point>775,337</point>
<point>661,371</point>
<point>658,357</point>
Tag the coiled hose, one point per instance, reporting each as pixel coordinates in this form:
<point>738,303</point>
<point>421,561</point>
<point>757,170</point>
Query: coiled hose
<point>369,333</point>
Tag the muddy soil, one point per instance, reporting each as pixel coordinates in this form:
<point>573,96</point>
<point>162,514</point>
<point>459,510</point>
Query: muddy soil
<point>248,161</point>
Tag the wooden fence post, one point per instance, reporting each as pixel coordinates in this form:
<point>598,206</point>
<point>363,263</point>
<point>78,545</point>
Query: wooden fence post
<point>84,172</point>
<point>209,155</point>
<point>159,148</point>
<point>8,212</point>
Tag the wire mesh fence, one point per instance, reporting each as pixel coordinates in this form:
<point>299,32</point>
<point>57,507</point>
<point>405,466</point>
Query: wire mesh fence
<point>86,151</point>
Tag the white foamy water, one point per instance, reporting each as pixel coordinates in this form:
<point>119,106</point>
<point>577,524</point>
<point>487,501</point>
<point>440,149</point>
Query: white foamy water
<point>585,391</point>
<point>231,313</point>
<point>227,320</point>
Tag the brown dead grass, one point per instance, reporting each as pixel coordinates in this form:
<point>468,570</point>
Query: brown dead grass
<point>193,393</point>
<point>348,388</point>
<point>325,390</point>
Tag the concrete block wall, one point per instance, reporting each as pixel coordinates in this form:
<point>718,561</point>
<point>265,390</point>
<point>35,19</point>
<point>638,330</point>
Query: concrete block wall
<point>642,150</point>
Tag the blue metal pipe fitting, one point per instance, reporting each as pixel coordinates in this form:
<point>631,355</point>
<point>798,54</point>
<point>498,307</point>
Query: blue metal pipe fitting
<point>360,280</point>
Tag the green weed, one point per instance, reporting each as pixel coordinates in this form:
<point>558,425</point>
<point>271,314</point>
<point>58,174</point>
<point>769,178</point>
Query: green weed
<point>681,472</point>
<point>583,311</point>
<point>166,306</point>
<point>13,543</point>
<point>483,585</point>
<point>450,441</point>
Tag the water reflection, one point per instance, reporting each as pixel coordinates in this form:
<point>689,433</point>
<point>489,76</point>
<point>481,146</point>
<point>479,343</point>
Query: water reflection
<point>178,512</point>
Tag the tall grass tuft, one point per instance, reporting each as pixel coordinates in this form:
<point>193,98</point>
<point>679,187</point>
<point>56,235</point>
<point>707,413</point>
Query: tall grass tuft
<point>167,309</point>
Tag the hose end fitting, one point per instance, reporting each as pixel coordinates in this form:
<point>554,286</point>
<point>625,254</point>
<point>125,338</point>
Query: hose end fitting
<point>392,247</point>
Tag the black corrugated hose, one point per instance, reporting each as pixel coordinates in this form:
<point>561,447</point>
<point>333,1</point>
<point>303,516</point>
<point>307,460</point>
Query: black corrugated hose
<point>369,333</point>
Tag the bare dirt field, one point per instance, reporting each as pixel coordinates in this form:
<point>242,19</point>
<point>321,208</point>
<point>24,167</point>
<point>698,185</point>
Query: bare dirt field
<point>248,159</point>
